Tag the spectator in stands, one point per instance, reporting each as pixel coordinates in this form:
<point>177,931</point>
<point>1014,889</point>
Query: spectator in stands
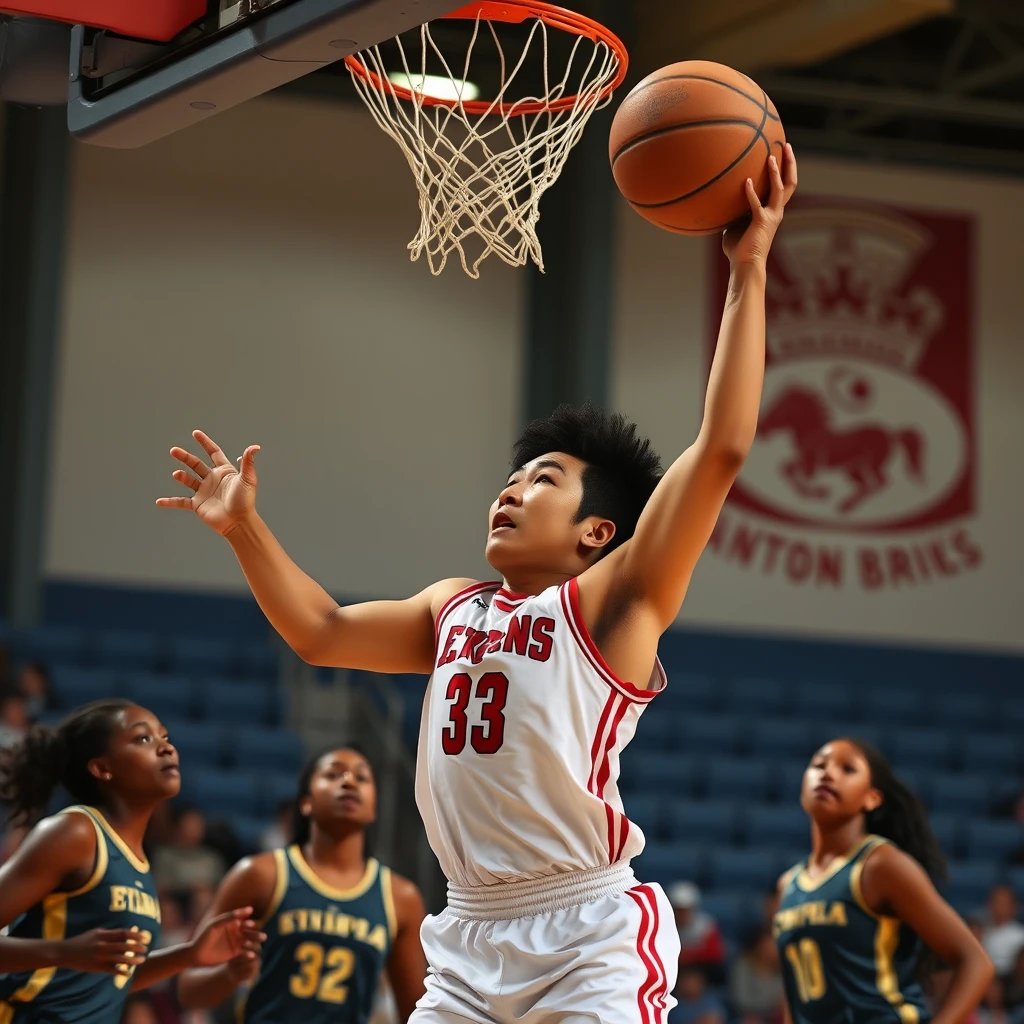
<point>187,863</point>
<point>755,983</point>
<point>697,1005</point>
<point>993,1006</point>
<point>278,835</point>
<point>699,936</point>
<point>14,720</point>
<point>35,688</point>
<point>1015,987</point>
<point>1003,936</point>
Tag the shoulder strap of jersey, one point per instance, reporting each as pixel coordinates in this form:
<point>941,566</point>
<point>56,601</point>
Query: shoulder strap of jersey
<point>280,886</point>
<point>102,858</point>
<point>384,876</point>
<point>871,843</point>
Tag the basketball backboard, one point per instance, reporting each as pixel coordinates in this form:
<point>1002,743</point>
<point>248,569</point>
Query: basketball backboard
<point>125,93</point>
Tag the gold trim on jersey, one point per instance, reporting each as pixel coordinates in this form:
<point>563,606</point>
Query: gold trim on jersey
<point>389,901</point>
<point>316,883</point>
<point>140,864</point>
<point>806,884</point>
<point>858,870</point>
<point>886,940</point>
<point>280,887</point>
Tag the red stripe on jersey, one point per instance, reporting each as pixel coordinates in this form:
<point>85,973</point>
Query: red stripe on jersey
<point>622,839</point>
<point>503,606</point>
<point>605,772</point>
<point>569,593</point>
<point>595,749</point>
<point>510,595</point>
<point>651,980</point>
<point>457,599</point>
<point>653,992</point>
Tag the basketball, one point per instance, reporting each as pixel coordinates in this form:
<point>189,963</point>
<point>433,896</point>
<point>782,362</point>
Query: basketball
<point>684,141</point>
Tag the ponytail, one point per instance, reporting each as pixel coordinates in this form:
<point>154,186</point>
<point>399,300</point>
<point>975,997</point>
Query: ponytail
<point>902,816</point>
<point>46,758</point>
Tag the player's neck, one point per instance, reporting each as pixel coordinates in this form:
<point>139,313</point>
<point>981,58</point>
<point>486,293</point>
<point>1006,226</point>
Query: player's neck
<point>130,823</point>
<point>827,843</point>
<point>342,853</point>
<point>533,583</point>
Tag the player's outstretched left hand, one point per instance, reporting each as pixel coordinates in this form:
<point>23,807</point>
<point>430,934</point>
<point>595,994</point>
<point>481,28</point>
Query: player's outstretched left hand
<point>227,936</point>
<point>749,240</point>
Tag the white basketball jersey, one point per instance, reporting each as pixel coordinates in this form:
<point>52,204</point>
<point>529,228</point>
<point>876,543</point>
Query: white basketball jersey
<point>523,724</point>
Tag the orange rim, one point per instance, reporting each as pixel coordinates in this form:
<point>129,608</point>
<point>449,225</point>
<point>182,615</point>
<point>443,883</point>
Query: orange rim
<point>512,12</point>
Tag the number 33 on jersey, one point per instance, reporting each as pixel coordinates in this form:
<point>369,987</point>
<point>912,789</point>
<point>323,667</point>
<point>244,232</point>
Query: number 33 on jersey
<point>523,723</point>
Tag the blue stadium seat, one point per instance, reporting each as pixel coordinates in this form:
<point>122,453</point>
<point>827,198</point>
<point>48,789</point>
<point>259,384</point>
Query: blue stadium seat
<point>750,870</point>
<point>200,745</point>
<point>917,779</point>
<point>275,749</point>
<point>732,778</point>
<point>688,690</point>
<point>646,812</point>
<point>656,773</point>
<point>243,703</point>
<point>77,686</point>
<point>166,696</point>
<point>789,780</point>
<point>775,825</point>
<point>781,737</point>
<point>959,711</point>
<point>948,829</point>
<point>658,729</point>
<point>968,794</point>
<point>201,656</point>
<point>694,821</point>
<point>991,752</point>
<point>129,652</point>
<point>921,748</point>
<point>248,829</point>
<point>671,862</point>
<point>711,734</point>
<point>275,789</point>
<point>51,644</point>
<point>757,696</point>
<point>823,700</point>
<point>257,661</point>
<point>892,706</point>
<point>223,793</point>
<point>728,909</point>
<point>994,840</point>
<point>1011,715</point>
<point>1015,878</point>
<point>970,883</point>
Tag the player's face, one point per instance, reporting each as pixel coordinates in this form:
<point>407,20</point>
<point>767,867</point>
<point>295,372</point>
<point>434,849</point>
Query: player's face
<point>140,761</point>
<point>837,783</point>
<point>531,527</point>
<point>342,790</point>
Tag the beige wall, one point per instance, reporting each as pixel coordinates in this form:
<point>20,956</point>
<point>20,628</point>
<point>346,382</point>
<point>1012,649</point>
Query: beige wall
<point>250,276</point>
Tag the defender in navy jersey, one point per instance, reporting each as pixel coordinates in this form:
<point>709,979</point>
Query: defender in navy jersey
<point>76,897</point>
<point>854,919</point>
<point>334,918</point>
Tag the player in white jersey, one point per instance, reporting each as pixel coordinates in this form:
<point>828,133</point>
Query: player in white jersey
<point>537,681</point>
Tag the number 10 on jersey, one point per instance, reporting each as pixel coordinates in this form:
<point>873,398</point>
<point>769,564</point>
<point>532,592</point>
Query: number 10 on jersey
<point>487,731</point>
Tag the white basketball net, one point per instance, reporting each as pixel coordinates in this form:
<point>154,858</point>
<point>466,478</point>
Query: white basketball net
<point>480,176</point>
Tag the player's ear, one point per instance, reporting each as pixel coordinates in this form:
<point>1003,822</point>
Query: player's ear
<point>98,768</point>
<point>597,534</point>
<point>872,801</point>
<point>306,806</point>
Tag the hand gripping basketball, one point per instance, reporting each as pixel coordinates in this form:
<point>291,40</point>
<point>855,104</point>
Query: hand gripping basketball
<point>748,241</point>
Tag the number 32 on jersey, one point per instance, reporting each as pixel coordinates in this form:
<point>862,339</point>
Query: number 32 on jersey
<point>486,733</point>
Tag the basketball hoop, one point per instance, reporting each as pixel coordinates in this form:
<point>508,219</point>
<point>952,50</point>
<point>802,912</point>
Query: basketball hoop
<point>482,165</point>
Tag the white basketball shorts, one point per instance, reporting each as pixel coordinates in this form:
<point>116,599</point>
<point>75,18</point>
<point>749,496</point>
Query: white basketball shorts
<point>588,946</point>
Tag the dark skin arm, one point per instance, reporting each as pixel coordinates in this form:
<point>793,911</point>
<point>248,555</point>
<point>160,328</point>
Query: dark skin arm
<point>407,966</point>
<point>58,856</point>
<point>895,885</point>
<point>250,883</point>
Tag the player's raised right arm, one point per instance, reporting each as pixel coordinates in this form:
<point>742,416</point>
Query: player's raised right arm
<point>378,636</point>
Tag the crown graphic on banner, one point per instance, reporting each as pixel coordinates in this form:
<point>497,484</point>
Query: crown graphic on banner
<point>846,290</point>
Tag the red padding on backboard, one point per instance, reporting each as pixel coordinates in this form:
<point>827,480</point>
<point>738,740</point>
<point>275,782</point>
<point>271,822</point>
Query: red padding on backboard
<point>145,19</point>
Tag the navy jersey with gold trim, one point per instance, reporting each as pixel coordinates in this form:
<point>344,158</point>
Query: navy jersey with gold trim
<point>841,963</point>
<point>325,948</point>
<point>119,894</point>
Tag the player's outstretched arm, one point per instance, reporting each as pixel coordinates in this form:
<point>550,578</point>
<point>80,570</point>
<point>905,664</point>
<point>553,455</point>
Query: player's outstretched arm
<point>379,636</point>
<point>656,563</point>
<point>895,885</point>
